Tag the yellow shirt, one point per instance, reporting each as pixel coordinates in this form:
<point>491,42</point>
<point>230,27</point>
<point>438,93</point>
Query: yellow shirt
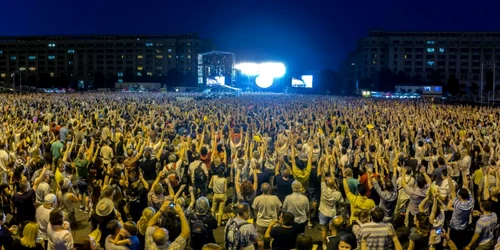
<point>58,176</point>
<point>358,204</point>
<point>302,175</point>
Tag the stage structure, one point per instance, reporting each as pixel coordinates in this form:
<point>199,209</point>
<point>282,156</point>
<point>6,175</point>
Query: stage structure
<point>216,68</point>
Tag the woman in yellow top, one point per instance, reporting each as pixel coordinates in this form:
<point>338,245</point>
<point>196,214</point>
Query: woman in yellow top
<point>358,202</point>
<point>301,175</point>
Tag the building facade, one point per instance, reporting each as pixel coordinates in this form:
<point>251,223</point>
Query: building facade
<point>80,58</point>
<point>425,53</point>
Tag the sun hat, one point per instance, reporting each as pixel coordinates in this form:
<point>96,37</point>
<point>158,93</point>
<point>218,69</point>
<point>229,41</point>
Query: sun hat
<point>104,207</point>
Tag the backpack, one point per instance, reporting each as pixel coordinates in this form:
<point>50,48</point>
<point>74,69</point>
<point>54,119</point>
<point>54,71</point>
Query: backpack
<point>199,232</point>
<point>233,239</point>
<point>199,175</point>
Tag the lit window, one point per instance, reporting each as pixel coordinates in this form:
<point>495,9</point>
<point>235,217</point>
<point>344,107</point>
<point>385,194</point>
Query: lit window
<point>32,57</point>
<point>169,56</point>
<point>71,51</point>
<point>431,42</point>
<point>52,45</point>
<point>122,56</point>
<point>139,74</point>
<point>120,80</point>
<point>159,57</point>
<point>22,68</point>
<point>3,75</point>
<point>140,68</point>
<point>32,68</point>
<point>51,74</point>
<point>430,63</point>
<point>189,44</point>
<point>189,56</point>
<point>13,58</point>
<point>52,57</point>
<point>139,57</point>
<point>430,50</point>
<point>169,50</point>
<point>200,79</point>
<point>120,73</point>
<point>159,68</point>
<point>149,73</point>
<point>1,52</point>
<point>373,62</point>
<point>70,62</point>
<point>441,50</point>
<point>189,68</point>
<point>149,44</point>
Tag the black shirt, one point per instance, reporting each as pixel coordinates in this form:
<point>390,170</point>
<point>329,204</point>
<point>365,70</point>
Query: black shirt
<point>18,246</point>
<point>149,169</point>
<point>284,187</point>
<point>210,225</point>
<point>262,177</point>
<point>284,238</point>
<point>5,238</point>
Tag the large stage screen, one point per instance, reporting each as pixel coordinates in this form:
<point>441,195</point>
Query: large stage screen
<point>216,81</point>
<point>304,81</point>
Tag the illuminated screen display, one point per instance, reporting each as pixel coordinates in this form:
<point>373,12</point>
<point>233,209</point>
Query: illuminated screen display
<point>217,80</point>
<point>305,81</point>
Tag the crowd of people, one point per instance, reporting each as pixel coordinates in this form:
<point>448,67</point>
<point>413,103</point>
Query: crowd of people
<point>155,171</point>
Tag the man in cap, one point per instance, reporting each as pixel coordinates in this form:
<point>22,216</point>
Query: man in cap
<point>43,215</point>
<point>298,204</point>
<point>201,213</point>
<point>104,212</point>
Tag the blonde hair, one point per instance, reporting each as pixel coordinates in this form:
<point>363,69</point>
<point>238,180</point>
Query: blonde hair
<point>142,223</point>
<point>30,234</point>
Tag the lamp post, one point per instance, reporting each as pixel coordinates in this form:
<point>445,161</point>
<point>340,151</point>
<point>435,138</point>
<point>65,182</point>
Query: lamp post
<point>22,69</point>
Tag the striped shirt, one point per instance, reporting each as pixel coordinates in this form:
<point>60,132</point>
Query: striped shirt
<point>417,195</point>
<point>485,227</point>
<point>461,212</point>
<point>379,238</point>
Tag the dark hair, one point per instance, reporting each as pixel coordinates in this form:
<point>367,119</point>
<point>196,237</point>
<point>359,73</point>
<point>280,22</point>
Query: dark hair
<point>377,214</point>
<point>288,218</point>
<point>350,239</point>
<point>423,222</point>
<point>421,182</point>
<point>56,217</point>
<point>464,193</point>
<point>204,151</point>
<point>361,189</point>
<point>304,242</point>
<point>112,226</point>
<point>444,172</point>
<point>1,213</point>
<point>487,206</point>
<point>242,209</point>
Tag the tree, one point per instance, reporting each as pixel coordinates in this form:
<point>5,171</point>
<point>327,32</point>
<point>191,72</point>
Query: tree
<point>453,85</point>
<point>434,78</point>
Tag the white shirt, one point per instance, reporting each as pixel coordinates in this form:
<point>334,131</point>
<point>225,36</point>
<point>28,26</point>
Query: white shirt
<point>106,154</point>
<point>193,166</point>
<point>60,240</point>
<point>42,218</point>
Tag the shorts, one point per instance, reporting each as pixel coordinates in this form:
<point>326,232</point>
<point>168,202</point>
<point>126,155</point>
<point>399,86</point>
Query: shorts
<point>324,220</point>
<point>314,194</point>
<point>82,187</point>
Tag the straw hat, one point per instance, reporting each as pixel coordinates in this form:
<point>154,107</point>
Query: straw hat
<point>104,207</point>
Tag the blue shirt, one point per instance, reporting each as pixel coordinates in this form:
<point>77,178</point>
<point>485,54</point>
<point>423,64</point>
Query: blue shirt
<point>485,227</point>
<point>461,212</point>
<point>136,244</point>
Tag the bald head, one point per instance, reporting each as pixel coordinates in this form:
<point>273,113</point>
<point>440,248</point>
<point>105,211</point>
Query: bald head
<point>160,236</point>
<point>265,188</point>
<point>242,209</point>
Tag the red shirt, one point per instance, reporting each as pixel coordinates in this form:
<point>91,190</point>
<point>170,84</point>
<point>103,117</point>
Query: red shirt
<point>364,180</point>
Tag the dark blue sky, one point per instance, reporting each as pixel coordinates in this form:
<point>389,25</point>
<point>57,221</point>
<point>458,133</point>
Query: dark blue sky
<point>306,34</point>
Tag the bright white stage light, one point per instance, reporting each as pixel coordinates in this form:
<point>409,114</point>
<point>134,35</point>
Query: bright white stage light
<point>275,70</point>
<point>249,69</point>
<point>264,81</point>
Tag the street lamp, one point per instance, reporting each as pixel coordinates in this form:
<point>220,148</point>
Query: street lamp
<point>22,69</point>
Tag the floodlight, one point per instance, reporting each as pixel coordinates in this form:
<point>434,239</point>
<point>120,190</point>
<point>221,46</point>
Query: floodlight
<point>264,81</point>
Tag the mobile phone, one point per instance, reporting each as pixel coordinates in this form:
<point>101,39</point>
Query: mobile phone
<point>172,205</point>
<point>438,231</point>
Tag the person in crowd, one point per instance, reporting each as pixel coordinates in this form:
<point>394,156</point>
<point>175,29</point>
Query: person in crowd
<point>330,200</point>
<point>304,242</point>
<point>357,202</point>
<point>43,215</point>
<point>29,239</point>
<point>218,184</point>
<point>283,232</point>
<point>483,238</point>
<point>202,224</point>
<point>461,204</point>
<point>59,232</point>
<point>248,235</point>
<point>297,204</point>
<point>378,231</point>
<point>157,238</point>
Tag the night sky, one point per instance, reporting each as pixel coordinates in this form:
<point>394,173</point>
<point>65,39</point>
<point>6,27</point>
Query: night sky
<point>306,35</point>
